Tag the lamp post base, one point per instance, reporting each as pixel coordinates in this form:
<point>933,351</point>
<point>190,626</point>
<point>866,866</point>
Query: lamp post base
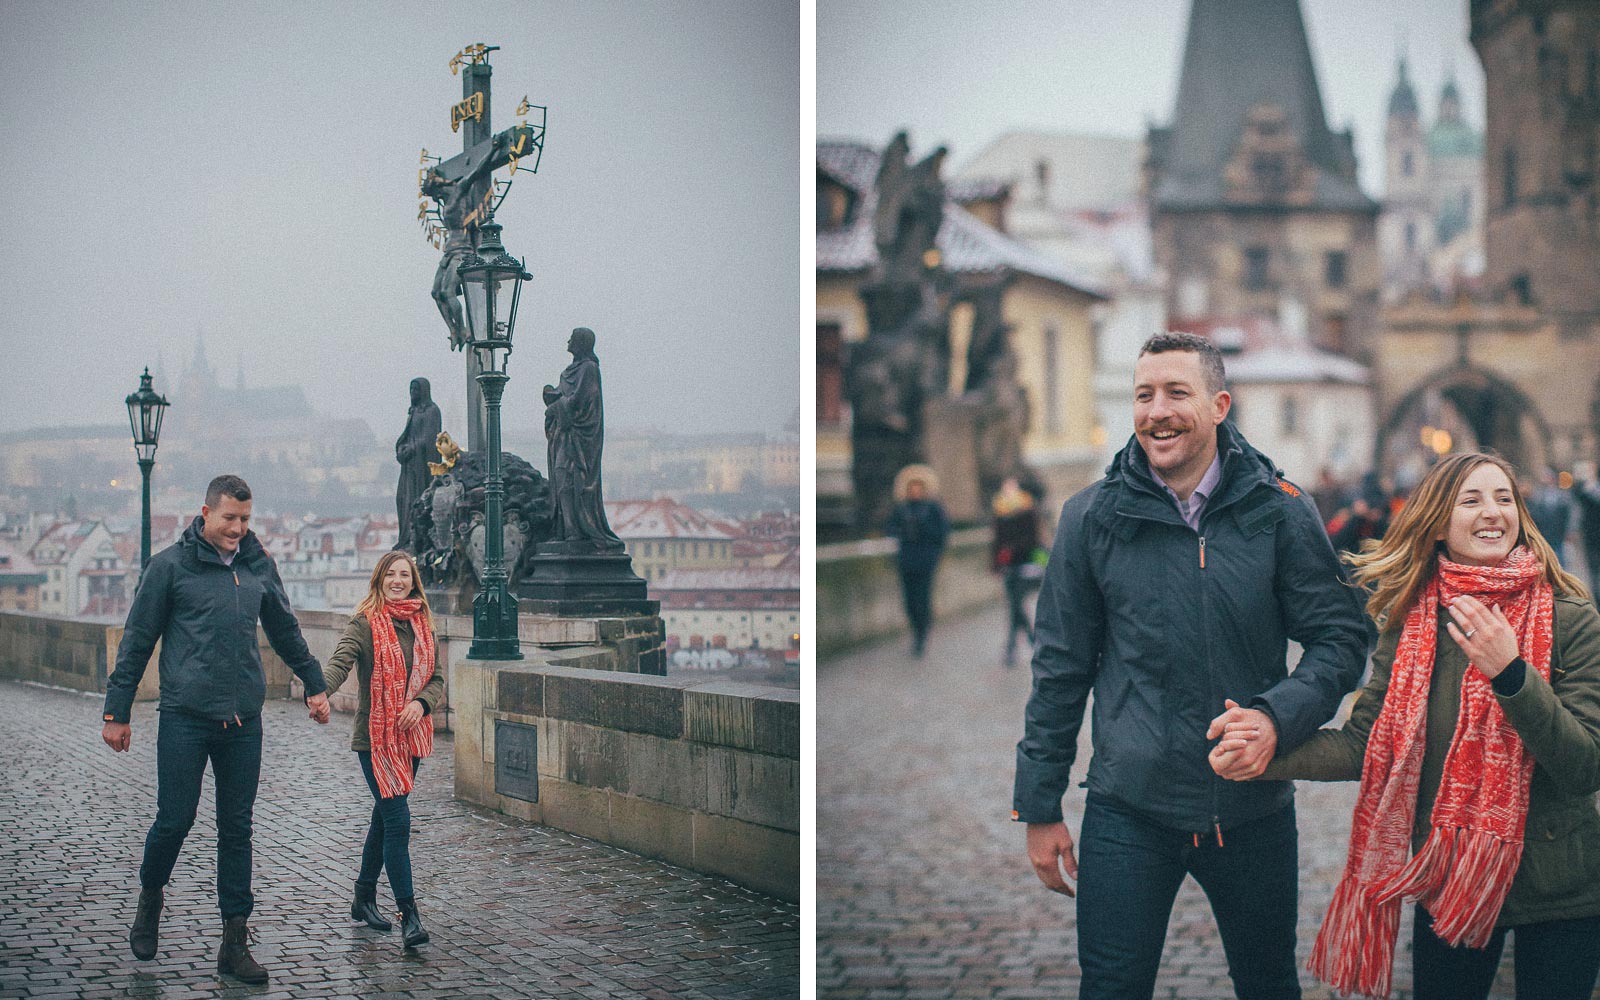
<point>494,626</point>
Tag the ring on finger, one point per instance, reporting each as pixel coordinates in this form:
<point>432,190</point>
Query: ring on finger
<point>1469,633</point>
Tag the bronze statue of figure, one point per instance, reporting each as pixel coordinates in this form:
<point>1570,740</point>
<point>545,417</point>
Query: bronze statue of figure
<point>456,202</point>
<point>574,426</point>
<point>414,450</point>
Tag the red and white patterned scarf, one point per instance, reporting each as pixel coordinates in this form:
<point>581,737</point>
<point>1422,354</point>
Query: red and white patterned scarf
<point>392,749</point>
<point>1464,869</point>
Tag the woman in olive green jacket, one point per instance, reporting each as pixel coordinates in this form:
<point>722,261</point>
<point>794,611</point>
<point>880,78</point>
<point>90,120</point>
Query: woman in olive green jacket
<point>1477,743</point>
<point>389,646</point>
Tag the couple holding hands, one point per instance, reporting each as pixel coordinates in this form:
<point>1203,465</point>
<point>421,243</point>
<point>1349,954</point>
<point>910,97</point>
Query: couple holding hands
<point>202,598</point>
<point>1174,586</point>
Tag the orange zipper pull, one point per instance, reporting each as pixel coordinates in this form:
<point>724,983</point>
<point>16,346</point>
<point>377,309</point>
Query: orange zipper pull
<point>1202,552</point>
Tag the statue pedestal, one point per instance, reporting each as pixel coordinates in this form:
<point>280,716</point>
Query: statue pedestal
<point>572,578</point>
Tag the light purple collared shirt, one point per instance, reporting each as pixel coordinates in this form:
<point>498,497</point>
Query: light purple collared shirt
<point>1197,500</point>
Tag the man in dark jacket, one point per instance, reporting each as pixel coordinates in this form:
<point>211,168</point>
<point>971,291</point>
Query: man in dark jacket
<point>202,597</point>
<point>1173,588</point>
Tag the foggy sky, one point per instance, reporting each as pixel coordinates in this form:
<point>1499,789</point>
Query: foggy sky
<point>249,172</point>
<point>964,72</point>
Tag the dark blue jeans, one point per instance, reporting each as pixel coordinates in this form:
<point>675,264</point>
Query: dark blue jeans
<point>1129,872</point>
<point>1556,960</point>
<point>183,745</point>
<point>916,586</point>
<point>388,836</point>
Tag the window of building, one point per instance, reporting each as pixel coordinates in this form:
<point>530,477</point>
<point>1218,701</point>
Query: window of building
<point>1255,269</point>
<point>1406,166</point>
<point>1509,180</point>
<point>1270,171</point>
<point>1290,416</point>
<point>830,373</point>
<point>1411,236</point>
<point>1522,288</point>
<point>1333,326</point>
<point>1052,379</point>
<point>1337,262</point>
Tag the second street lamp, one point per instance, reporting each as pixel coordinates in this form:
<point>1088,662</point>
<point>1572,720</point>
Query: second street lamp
<point>145,410</point>
<point>492,282</point>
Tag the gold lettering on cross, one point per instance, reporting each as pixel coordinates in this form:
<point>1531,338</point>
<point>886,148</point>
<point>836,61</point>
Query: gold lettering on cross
<point>472,108</point>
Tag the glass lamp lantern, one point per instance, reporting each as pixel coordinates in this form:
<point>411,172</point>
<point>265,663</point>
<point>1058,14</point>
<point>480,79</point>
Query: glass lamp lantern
<point>492,281</point>
<point>145,409</point>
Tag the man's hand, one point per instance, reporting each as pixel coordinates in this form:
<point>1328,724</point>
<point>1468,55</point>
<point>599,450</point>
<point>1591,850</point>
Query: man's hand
<point>410,716</point>
<point>1249,740</point>
<point>321,711</point>
<point>118,735</point>
<point>1050,850</point>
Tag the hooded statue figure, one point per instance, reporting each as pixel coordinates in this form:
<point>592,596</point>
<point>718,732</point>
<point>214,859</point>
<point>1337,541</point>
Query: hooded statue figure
<point>574,426</point>
<point>416,447</point>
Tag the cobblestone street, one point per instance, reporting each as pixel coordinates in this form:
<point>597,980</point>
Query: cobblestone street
<point>514,910</point>
<point>923,887</point>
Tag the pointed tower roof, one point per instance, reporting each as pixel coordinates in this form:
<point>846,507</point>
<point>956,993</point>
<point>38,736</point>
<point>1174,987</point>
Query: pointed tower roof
<point>1403,100</point>
<point>1240,54</point>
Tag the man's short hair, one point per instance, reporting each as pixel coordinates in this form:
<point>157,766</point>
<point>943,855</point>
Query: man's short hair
<point>232,486</point>
<point>1210,357</point>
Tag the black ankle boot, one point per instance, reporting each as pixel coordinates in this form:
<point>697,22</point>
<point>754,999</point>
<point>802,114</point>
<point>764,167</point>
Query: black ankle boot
<point>411,924</point>
<point>365,908</point>
<point>234,958</point>
<point>143,936</point>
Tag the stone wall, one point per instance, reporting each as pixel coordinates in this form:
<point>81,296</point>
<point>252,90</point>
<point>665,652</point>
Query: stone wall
<point>64,652</point>
<point>858,588</point>
<point>703,774</point>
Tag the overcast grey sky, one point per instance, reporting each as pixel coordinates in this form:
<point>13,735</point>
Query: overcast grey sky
<point>249,171</point>
<point>964,72</point>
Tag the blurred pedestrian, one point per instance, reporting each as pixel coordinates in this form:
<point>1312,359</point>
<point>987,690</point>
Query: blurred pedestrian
<point>1551,510</point>
<point>1586,493</point>
<point>1477,745</point>
<point>389,645</point>
<point>1016,536</point>
<point>918,522</point>
<point>1365,519</point>
<point>1181,575</point>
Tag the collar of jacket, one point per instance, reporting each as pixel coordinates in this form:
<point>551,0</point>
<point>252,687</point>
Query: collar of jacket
<point>1138,494</point>
<point>250,553</point>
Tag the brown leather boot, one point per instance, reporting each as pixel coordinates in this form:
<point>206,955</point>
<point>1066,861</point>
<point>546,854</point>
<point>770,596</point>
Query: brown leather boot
<point>234,958</point>
<point>142,938</point>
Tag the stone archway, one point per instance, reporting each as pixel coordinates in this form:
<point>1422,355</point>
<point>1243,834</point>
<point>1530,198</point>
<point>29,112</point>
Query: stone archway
<point>1476,409</point>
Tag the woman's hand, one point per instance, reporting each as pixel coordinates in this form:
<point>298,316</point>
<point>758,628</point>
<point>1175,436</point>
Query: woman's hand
<point>1483,634</point>
<point>410,716</point>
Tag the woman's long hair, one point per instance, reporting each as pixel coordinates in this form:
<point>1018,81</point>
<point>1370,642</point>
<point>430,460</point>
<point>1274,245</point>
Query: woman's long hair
<point>1396,568</point>
<point>371,604</point>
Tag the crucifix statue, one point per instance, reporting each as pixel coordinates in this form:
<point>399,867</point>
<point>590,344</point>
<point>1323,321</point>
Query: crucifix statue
<point>463,191</point>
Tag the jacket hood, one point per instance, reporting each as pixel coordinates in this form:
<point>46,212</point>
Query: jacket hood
<point>1243,466</point>
<point>250,547</point>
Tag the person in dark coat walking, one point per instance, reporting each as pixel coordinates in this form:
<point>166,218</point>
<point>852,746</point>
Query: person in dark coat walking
<point>202,598</point>
<point>1174,583</point>
<point>1586,497</point>
<point>1016,536</point>
<point>918,522</point>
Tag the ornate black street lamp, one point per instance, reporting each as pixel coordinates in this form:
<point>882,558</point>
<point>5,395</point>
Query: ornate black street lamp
<point>492,280</point>
<point>145,410</point>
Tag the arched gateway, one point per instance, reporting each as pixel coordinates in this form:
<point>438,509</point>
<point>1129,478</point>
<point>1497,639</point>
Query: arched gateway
<point>1461,407</point>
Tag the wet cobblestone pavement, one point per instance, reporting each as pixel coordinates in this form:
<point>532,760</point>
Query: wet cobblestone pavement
<point>924,891</point>
<point>514,910</point>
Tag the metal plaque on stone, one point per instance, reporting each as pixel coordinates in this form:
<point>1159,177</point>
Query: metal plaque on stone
<point>516,760</point>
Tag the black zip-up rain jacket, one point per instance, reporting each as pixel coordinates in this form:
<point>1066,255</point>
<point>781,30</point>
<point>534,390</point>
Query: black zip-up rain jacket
<point>1163,623</point>
<point>205,615</point>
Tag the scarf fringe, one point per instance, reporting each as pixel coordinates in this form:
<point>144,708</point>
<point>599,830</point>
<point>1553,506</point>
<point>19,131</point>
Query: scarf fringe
<point>1354,952</point>
<point>1467,905</point>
